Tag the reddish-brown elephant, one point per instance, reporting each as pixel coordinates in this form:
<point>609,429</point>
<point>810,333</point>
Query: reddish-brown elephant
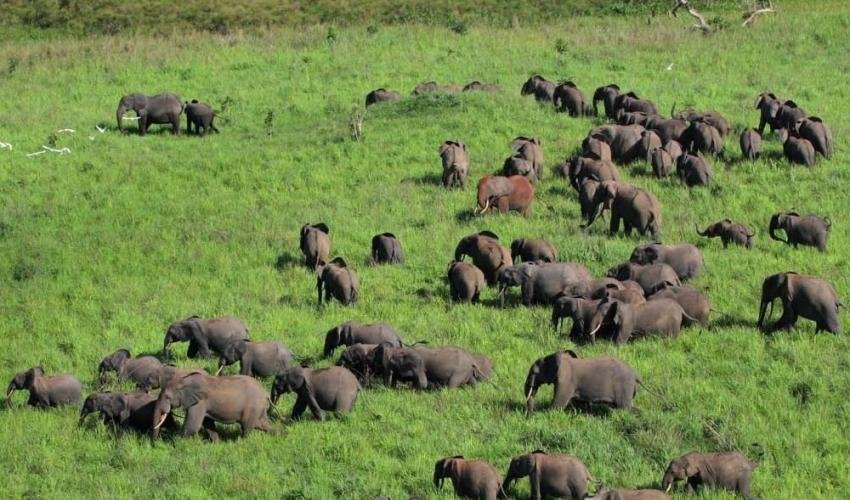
<point>504,193</point>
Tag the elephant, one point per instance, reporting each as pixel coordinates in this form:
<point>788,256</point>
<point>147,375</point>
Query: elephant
<point>685,259</point>
<point>542,89</point>
<point>661,161</point>
<point>466,282</point>
<point>256,359</point>
<point>533,250</point>
<point>621,322</point>
<point>382,95</point>
<point>649,276</point>
<point>624,141</point>
<point>45,392</point>
<point>315,244</point>
<point>768,105</point>
<point>470,478</point>
<point>450,367</point>
<point>505,193</point>
<point>695,304</point>
<point>603,493</point>
<point>649,140</point>
<point>568,98</point>
<point>133,410</point>
<point>586,194</point>
<point>327,389</point>
<point>529,148</point>
<point>674,148</point>
<point>487,254</point>
<point>694,170</point>
<point>609,288</point>
<point>542,283</point>
<point>339,281</point>
<point>201,115</point>
<point>729,232</point>
<point>580,168</point>
<point>700,137</point>
<point>359,360</point>
<point>455,157</point>
<point>162,108</point>
<point>205,335</point>
<point>208,399</point>
<point>596,149</point>
<point>607,94</point>
<point>582,312</point>
<point>562,476</point>
<point>712,118</point>
<point>632,117</point>
<point>429,87</point>
<point>728,470</point>
<point>593,380</point>
<point>386,249</point>
<point>817,133</point>
<point>810,230</point>
<point>517,165</point>
<point>798,150</point>
<point>354,332</point>
<point>639,209</point>
<point>788,115</point>
<point>667,129</point>
<point>630,102</point>
<point>802,296</point>
<point>143,371</point>
<point>483,87</point>
<point>750,144</point>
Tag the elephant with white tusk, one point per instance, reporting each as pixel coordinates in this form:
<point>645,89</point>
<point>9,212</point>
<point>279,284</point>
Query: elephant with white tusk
<point>162,108</point>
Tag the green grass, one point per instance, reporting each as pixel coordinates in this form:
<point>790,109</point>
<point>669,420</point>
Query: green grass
<point>104,247</point>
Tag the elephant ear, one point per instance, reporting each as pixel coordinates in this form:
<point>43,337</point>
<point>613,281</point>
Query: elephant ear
<point>121,408</point>
<point>795,214</point>
<point>815,119</point>
<point>321,226</point>
<point>444,147</point>
<point>614,86</point>
<point>691,469</point>
<point>489,234</point>
<point>571,353</point>
<point>791,104</point>
<point>519,142</point>
<point>192,390</point>
<point>632,95</point>
<point>462,145</point>
<point>339,261</point>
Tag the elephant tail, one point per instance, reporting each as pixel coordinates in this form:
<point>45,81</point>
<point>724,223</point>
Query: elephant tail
<point>690,319</point>
<point>828,223</point>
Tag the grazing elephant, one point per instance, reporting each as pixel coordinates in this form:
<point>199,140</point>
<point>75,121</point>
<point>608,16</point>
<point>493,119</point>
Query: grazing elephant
<point>568,98</point>
<point>542,89</point>
<point>607,94</point>
<point>661,161</point>
<point>685,259</point>
<point>339,281</point>
<point>354,332</point>
<point>517,165</point>
<point>381,95</point>
<point>315,244</point>
<point>639,209</point>
<point>624,141</point>
<point>630,102</point>
<point>612,289</point>
<point>205,336</point>
<point>810,230</point>
<point>486,252</point>
<point>359,360</point>
<point>143,371</point>
<point>466,282</point>
<point>586,195</point>
<point>580,168</point>
<point>798,150</point>
<point>596,149</point>
<point>768,105</point>
<point>649,276</point>
<point>667,129</point>
<point>542,283</point>
<point>729,232</point>
<point>802,296</point>
<point>620,321</point>
<point>700,137</point>
<point>562,476</point>
<point>482,87</point>
<point>694,170</point>
<point>533,250</point>
<point>712,118</point>
<point>632,117</point>
<point>327,389</point>
<point>429,87</point>
<point>45,392</point>
<point>695,304</point>
<point>674,148</point>
<point>133,410</point>
<point>470,478</point>
<point>594,380</point>
<point>750,144</point>
<point>256,359</point>
<point>649,140</point>
<point>729,470</point>
<point>162,108</point>
<point>208,399</point>
<point>818,133</point>
<point>455,157</point>
<point>505,193</point>
<point>386,249</point>
<point>788,115</point>
<point>450,367</point>
<point>201,115</point>
<point>604,493</point>
<point>529,148</point>
<point>582,312</point>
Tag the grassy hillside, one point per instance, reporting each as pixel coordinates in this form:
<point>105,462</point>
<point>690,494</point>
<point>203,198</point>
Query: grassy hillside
<point>104,247</point>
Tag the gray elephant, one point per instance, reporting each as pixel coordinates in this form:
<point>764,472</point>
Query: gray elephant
<point>382,95</point>
<point>729,470</point>
<point>486,252</point>
<point>810,230</point>
<point>802,296</point>
<point>649,140</point>
<point>695,304</point>
<point>621,322</point>
<point>674,148</point>
<point>603,493</point>
<point>586,198</point>
<point>729,232</point>
<point>685,259</point>
<point>661,162</point>
<point>712,118</point>
<point>624,141</point>
<point>359,359</point>
<point>205,336</point>
<point>750,144</point>
<point>592,147</point>
<point>649,276</point>
<point>542,89</point>
<point>798,150</point>
<point>470,478</point>
<point>630,102</point>
<point>632,117</point>
<point>132,410</point>
<point>386,249</point>
<point>455,158</point>
<point>580,168</point>
<point>465,282</point>
<point>569,99</point>
<point>667,129</point>
<point>636,207</point>
<point>354,332</point>
<point>700,137</point>
<point>607,94</point>
<point>517,165</point>
<point>542,283</point>
<point>609,288</point>
<point>787,116</point>
<point>143,371</point>
<point>580,310</point>
<point>817,133</point>
<point>429,87</point>
<point>332,389</point>
<point>530,149</point>
<point>481,87</point>
<point>45,392</point>
<point>256,359</point>
<point>315,244</point>
<point>768,105</point>
<point>533,250</point>
<point>694,170</point>
<point>562,476</point>
<point>593,380</point>
<point>201,116</point>
<point>339,282</point>
<point>449,367</point>
<point>162,108</point>
<point>208,399</point>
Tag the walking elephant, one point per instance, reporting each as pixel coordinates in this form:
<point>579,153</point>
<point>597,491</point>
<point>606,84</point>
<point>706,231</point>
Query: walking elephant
<point>382,95</point>
<point>466,282</point>
<point>470,478</point>
<point>637,208</point>
<point>798,150</point>
<point>359,360</point>
<point>332,389</point>
<point>607,94</point>
<point>809,230</point>
<point>505,193</point>
<point>580,310</point>
<point>802,296</point>
<point>530,149</point>
<point>132,410</point>
<point>542,89</point>
<point>569,99</point>
<point>486,252</point>
<point>630,102</point>
<point>661,162</point>
<point>581,168</point>
<point>712,118</point>
<point>339,282</point>
<point>450,367</point>
<point>162,108</point>
<point>542,283</point>
<point>750,144</point>
<point>817,133</point>
<point>768,105</point>
<point>787,117</point>
<point>354,332</point>
<point>455,158</point>
<point>685,259</point>
<point>667,129</point>
<point>594,148</point>
<point>386,249</point>
<point>533,250</point>
<point>729,470</point>
<point>729,232</point>
<point>201,116</point>
<point>649,141</point>
<point>256,359</point>
<point>143,371</point>
<point>561,476</point>
<point>624,141</point>
<point>586,194</point>
<point>315,244</point>
<point>205,336</point>
<point>700,137</point>
<point>621,322</point>
<point>648,276</point>
<point>694,170</point>
<point>45,392</point>
<point>695,304</point>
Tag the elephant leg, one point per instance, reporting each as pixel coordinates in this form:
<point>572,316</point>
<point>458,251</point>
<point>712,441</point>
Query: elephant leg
<point>192,352</point>
<point>615,222</point>
<point>298,409</point>
<point>503,204</point>
<point>143,123</point>
<point>787,321</point>
<point>195,417</point>
<point>188,126</point>
<point>210,430</point>
<point>175,124</point>
<point>563,394</point>
<point>245,368</point>
<point>627,228</point>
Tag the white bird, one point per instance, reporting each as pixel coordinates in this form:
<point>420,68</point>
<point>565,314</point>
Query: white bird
<point>6,145</point>
<point>100,129</point>
<point>66,130</point>
<point>670,67</point>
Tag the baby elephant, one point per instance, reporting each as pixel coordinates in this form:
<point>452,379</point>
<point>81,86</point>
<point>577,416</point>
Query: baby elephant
<point>201,115</point>
<point>799,150</point>
<point>133,410</point>
<point>533,250</point>
<point>750,144</point>
<point>604,493</point>
<point>45,392</point>
<point>358,358</point>
<point>386,249</point>
<point>256,359</point>
<point>730,471</point>
<point>381,95</point>
<point>470,478</point>
<point>729,232</point>
<point>455,158</point>
<point>811,230</point>
<point>465,282</point>
<point>143,371</point>
<point>339,281</point>
<point>561,476</point>
<point>328,389</point>
<point>694,170</point>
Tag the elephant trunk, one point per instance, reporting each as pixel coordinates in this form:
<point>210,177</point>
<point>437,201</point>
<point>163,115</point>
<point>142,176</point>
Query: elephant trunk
<point>508,482</point>
<point>503,291</point>
<point>765,300</point>
<point>701,233</point>
<point>83,414</point>
<point>774,225</point>
<point>596,213</point>
<point>556,319</point>
<point>667,482</point>
<point>438,476</point>
<point>160,413</point>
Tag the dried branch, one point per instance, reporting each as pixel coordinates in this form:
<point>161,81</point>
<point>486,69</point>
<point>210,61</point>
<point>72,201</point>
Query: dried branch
<point>702,24</point>
<point>755,12</point>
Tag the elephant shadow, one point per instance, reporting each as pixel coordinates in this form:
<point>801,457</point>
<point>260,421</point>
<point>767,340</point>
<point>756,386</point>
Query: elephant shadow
<point>560,190</point>
<point>587,408</point>
<point>465,215</point>
<point>286,260</point>
<point>433,179</point>
<point>728,320</point>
